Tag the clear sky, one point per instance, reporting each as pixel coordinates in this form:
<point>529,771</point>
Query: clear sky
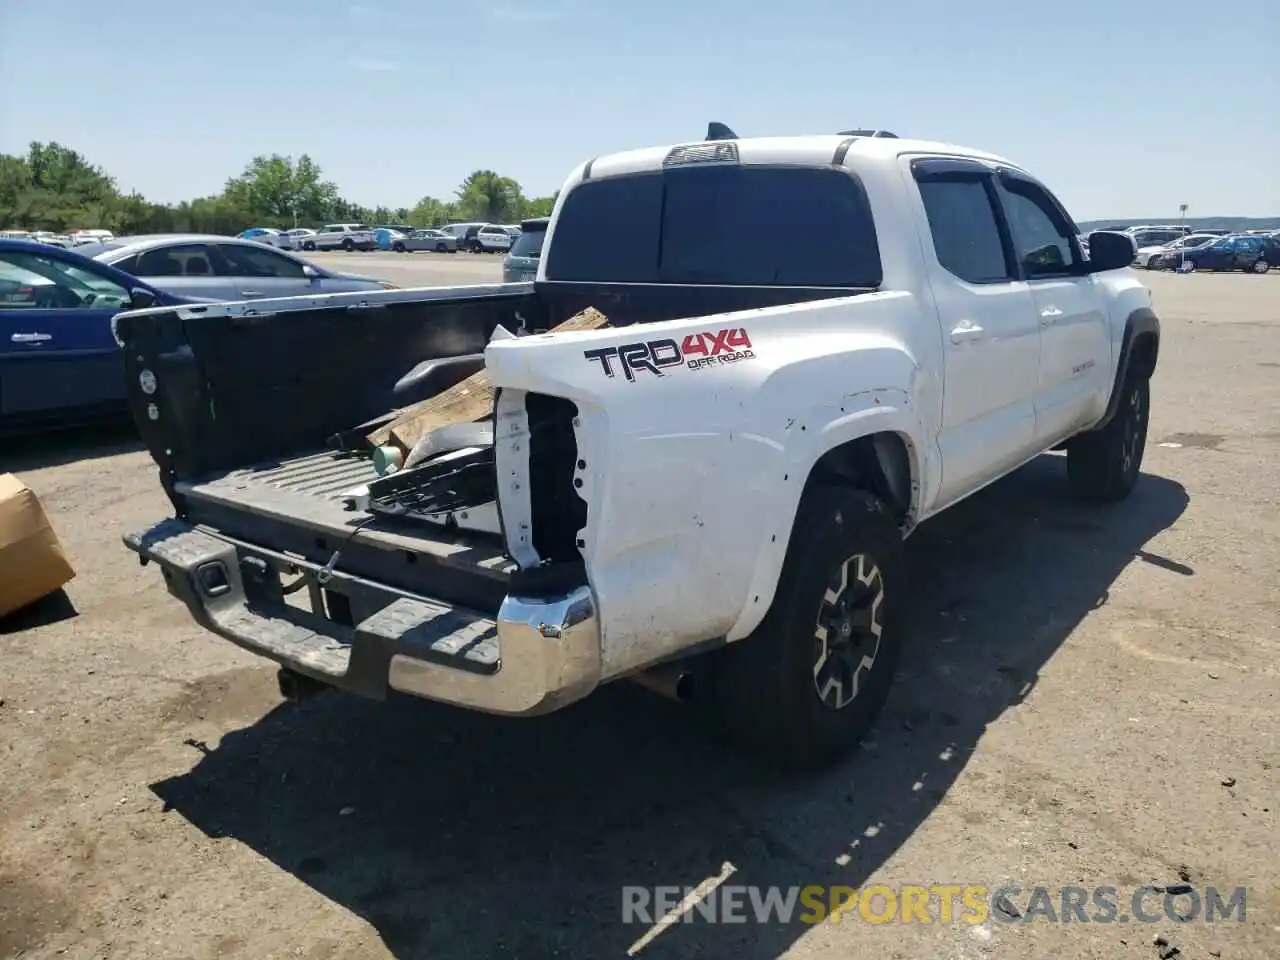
<point>1124,109</point>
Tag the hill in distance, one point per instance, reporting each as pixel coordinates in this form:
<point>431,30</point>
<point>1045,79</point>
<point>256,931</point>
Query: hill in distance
<point>1234,224</point>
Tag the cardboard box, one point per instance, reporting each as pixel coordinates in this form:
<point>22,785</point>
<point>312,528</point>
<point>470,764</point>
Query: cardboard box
<point>32,562</point>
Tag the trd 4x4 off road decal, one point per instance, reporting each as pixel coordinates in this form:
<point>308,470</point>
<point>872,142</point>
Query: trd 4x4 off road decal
<point>698,351</point>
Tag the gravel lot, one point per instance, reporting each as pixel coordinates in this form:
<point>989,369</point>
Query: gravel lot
<point>1081,687</point>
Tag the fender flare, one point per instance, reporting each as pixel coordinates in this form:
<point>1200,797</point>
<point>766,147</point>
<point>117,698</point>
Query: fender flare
<point>1140,323</point>
<point>856,423</point>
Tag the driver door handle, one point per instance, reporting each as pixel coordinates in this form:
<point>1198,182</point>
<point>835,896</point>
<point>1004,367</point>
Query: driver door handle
<point>967,330</point>
<point>31,337</point>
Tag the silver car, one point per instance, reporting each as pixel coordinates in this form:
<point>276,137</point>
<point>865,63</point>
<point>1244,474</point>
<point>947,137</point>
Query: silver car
<point>223,268</point>
<point>436,240</point>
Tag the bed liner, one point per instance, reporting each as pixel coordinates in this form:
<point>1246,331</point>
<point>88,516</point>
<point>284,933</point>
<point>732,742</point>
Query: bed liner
<point>308,491</point>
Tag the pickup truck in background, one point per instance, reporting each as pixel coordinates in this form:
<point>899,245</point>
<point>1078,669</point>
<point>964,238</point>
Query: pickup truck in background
<point>341,236</point>
<point>710,495</point>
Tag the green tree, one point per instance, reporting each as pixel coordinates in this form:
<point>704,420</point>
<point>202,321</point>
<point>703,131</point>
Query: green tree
<point>15,180</point>
<point>485,195</point>
<point>430,212</point>
<point>280,191</point>
<point>540,206</point>
<point>54,188</point>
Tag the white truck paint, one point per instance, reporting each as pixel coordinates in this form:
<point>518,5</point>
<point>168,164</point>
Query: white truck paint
<point>704,441</point>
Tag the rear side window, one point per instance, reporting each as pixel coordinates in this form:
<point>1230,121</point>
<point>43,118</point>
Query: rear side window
<point>245,261</point>
<point>186,260</point>
<point>528,244</point>
<point>128,264</point>
<point>733,225</point>
<point>966,236</point>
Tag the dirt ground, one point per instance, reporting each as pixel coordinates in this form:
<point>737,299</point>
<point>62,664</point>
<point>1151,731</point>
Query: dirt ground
<point>1089,698</point>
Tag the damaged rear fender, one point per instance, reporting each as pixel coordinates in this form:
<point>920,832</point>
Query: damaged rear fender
<point>682,478</point>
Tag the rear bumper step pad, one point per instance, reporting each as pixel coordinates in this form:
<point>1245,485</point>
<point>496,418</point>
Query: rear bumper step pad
<point>538,655</point>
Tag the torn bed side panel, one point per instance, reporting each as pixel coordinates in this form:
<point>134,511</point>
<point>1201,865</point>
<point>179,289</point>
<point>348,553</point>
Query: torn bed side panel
<point>511,464</point>
<point>690,447</point>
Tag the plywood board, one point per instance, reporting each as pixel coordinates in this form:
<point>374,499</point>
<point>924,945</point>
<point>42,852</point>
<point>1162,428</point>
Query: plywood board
<point>466,401</point>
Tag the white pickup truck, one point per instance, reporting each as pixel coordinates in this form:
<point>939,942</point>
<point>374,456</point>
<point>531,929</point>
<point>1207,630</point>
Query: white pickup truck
<point>710,496</point>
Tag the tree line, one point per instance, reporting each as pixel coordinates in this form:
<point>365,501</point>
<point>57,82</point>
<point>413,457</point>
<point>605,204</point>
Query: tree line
<point>56,188</point>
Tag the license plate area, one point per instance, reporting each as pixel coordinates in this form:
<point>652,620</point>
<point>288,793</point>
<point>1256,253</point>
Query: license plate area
<point>272,583</point>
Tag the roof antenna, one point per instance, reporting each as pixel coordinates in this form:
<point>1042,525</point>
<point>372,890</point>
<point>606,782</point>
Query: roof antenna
<point>718,131</point>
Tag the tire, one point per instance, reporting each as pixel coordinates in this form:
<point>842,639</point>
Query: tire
<point>441,248</point>
<point>476,248</point>
<point>309,245</point>
<point>1261,266</point>
<point>348,244</point>
<point>1103,466</point>
<point>768,690</point>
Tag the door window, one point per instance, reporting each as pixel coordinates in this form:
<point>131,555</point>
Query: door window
<point>244,261</point>
<point>1041,238</point>
<point>28,281</point>
<point>966,234</point>
<point>184,260</point>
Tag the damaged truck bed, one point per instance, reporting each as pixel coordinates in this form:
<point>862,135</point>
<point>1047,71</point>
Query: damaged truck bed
<point>259,415</point>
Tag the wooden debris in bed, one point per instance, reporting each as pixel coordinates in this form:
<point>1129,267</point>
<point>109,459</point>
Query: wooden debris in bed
<point>465,402</point>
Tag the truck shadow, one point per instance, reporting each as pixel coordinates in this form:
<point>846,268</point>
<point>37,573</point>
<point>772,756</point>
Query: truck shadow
<point>455,834</point>
<point>53,448</point>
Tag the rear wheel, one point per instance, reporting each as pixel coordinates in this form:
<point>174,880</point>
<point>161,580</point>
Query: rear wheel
<point>441,248</point>
<point>348,244</point>
<point>810,681</point>
<point>309,245</point>
<point>1103,466</point>
<point>1261,266</point>
<point>398,247</point>
<point>475,247</point>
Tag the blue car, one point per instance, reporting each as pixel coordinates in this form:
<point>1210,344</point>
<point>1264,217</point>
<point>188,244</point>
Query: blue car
<point>59,361</point>
<point>1251,254</point>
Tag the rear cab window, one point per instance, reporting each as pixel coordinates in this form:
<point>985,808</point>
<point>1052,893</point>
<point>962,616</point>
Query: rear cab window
<point>528,244</point>
<point>729,225</point>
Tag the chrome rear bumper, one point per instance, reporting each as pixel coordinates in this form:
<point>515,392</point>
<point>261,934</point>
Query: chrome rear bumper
<point>537,655</point>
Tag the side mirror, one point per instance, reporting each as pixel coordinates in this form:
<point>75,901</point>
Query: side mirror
<point>309,271</point>
<point>1110,251</point>
<point>140,298</point>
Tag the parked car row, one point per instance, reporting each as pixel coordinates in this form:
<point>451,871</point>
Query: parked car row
<point>474,237</point>
<point>1252,253</point>
<point>59,362</point>
<point>52,239</point>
